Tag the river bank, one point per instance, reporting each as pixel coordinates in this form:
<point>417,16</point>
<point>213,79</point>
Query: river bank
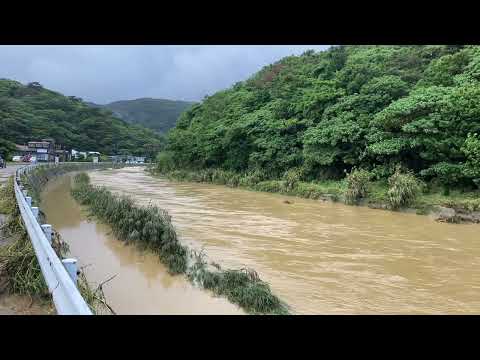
<point>321,257</point>
<point>457,207</point>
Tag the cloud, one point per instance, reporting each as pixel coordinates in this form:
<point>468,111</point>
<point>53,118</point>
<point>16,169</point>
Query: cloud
<point>108,73</point>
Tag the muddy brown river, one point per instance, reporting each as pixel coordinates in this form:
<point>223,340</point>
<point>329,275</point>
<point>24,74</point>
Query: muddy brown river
<point>320,257</point>
<point>141,284</point>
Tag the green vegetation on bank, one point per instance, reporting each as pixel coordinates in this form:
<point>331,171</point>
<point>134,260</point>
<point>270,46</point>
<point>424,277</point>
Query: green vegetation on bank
<point>151,228</point>
<point>157,114</point>
<point>305,122</point>
<point>399,190</point>
<point>31,112</point>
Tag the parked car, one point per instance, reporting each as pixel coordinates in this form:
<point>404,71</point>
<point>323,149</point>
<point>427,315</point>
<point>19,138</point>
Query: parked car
<point>17,158</point>
<point>26,158</point>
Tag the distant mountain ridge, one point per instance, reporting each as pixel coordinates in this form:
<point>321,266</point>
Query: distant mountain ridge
<point>31,112</point>
<point>157,114</point>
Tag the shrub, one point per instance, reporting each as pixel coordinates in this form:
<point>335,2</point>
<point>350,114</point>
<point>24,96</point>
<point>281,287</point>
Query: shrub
<point>446,174</point>
<point>471,149</point>
<point>291,179</point>
<point>358,182</point>
<point>252,178</point>
<point>463,205</point>
<point>165,161</point>
<point>404,188</point>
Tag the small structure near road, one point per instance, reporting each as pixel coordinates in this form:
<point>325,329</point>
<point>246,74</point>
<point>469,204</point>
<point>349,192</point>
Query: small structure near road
<point>77,155</point>
<point>130,159</point>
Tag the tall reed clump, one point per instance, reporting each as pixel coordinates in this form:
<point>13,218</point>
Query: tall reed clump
<point>148,227</point>
<point>151,227</point>
<point>291,178</point>
<point>404,189</point>
<point>358,181</point>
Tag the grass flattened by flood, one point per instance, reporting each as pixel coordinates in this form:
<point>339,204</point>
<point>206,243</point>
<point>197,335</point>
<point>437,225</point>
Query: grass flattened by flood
<point>242,287</point>
<point>151,227</point>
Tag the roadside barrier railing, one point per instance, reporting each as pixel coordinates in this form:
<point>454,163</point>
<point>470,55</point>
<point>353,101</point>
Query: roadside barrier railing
<point>60,275</point>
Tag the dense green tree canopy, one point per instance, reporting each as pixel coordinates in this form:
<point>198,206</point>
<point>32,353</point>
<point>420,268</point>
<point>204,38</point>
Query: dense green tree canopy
<point>31,112</point>
<point>371,107</point>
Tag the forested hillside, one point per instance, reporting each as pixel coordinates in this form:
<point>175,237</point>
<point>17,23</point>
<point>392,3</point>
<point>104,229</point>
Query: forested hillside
<point>322,114</point>
<point>32,112</point>
<point>157,114</point>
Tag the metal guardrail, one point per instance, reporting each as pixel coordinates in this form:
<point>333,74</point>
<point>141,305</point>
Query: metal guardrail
<point>59,274</point>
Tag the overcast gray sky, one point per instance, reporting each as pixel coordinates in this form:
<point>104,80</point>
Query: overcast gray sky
<point>103,74</point>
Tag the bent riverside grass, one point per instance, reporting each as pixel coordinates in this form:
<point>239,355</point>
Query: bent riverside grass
<point>151,228</point>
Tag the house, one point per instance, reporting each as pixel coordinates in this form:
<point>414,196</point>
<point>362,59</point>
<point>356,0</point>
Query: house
<point>44,151</point>
<point>39,150</point>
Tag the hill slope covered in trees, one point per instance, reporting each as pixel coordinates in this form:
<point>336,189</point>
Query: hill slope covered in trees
<point>31,112</point>
<point>157,114</point>
<point>322,114</point>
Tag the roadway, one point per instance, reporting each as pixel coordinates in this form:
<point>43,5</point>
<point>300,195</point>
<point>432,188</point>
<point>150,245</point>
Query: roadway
<point>5,173</point>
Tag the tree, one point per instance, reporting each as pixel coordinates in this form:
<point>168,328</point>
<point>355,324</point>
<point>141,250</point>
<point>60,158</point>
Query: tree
<point>369,107</point>
<point>6,148</point>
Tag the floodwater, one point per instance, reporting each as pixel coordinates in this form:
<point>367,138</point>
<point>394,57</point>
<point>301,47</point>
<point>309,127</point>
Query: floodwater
<point>319,257</point>
<point>141,284</point>
<point>322,257</point>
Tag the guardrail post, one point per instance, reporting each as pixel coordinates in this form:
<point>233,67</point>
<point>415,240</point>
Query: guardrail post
<point>47,229</point>
<point>28,199</point>
<point>35,212</point>
<point>71,267</point>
